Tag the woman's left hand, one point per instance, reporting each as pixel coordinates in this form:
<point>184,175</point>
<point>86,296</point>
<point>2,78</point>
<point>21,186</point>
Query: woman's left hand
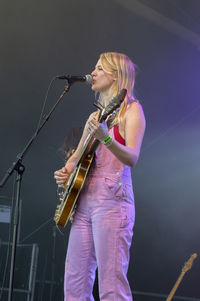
<point>98,130</point>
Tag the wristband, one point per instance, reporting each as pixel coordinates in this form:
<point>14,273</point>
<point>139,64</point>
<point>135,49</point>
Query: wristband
<point>107,141</point>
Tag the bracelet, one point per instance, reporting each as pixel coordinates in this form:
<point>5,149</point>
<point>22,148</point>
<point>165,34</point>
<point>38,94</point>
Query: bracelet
<point>108,141</point>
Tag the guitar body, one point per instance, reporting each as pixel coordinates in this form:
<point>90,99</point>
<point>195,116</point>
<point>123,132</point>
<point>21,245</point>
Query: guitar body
<point>72,190</point>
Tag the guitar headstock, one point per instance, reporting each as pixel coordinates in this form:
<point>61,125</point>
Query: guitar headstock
<point>189,263</point>
<point>113,105</point>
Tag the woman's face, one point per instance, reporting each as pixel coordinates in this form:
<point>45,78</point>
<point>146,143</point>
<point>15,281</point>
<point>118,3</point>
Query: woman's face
<point>102,81</point>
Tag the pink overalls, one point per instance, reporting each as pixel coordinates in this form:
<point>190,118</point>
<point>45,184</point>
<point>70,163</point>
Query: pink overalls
<point>101,232</point>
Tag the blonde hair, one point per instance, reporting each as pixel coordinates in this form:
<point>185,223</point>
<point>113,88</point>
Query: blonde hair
<point>122,69</point>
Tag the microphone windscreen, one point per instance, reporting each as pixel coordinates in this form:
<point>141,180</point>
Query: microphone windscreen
<point>88,79</point>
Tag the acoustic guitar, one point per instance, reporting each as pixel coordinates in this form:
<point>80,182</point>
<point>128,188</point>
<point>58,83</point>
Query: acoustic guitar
<point>69,194</point>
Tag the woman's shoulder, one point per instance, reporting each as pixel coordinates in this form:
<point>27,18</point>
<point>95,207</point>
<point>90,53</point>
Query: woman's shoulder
<point>135,112</point>
<point>134,107</point>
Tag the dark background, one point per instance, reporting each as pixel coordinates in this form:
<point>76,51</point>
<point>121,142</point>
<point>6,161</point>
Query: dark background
<point>41,39</point>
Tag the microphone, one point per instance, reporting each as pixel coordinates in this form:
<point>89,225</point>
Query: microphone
<point>72,79</point>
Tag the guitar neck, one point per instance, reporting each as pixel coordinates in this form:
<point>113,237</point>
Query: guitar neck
<point>169,298</point>
<point>91,144</point>
<point>186,267</point>
<point>88,148</point>
<point>94,146</point>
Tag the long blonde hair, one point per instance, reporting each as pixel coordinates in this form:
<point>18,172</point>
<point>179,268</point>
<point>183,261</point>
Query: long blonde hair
<point>122,69</point>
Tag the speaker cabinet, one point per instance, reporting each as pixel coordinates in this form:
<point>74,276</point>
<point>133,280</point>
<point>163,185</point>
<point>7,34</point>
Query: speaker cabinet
<point>25,271</point>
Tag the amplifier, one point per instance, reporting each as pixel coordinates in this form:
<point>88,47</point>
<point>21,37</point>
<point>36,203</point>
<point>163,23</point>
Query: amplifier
<point>5,212</point>
<point>25,271</point>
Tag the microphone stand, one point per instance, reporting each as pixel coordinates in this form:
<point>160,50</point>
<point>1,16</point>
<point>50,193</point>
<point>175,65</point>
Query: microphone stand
<point>19,168</point>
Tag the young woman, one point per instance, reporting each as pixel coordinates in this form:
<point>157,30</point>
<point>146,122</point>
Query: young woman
<point>102,227</point>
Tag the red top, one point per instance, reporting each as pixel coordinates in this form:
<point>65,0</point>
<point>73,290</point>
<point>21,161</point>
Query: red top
<point>117,135</point>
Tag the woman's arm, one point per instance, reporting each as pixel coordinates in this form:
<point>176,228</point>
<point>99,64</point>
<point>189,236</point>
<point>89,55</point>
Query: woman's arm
<point>134,132</point>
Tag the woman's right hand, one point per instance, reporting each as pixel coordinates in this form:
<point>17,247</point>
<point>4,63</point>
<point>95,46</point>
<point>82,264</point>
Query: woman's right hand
<point>62,175</point>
